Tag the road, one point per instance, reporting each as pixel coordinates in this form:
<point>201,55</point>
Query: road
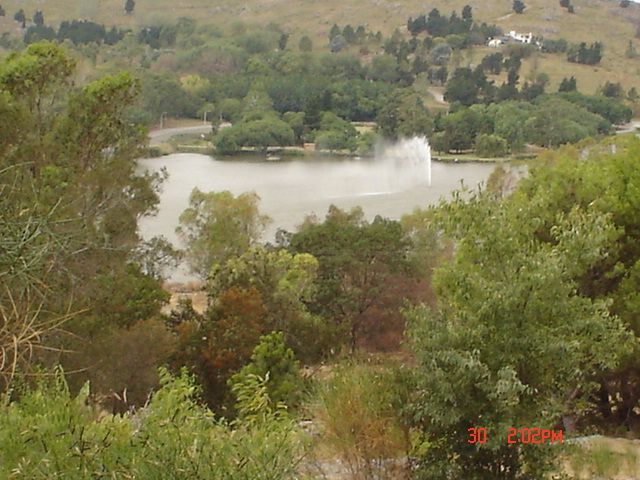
<point>156,137</point>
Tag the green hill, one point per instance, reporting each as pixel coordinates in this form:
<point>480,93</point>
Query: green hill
<point>604,21</point>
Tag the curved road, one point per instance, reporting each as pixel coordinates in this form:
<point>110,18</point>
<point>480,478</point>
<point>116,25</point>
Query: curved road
<point>156,137</point>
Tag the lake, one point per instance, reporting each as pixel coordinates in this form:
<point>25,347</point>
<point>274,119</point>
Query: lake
<point>390,185</point>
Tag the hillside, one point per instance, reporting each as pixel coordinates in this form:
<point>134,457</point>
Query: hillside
<point>593,20</point>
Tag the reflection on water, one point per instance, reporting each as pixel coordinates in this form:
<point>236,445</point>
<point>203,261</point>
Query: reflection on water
<point>293,189</point>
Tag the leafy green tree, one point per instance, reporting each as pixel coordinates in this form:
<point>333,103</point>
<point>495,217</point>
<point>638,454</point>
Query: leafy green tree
<point>218,226</point>
<point>256,129</point>
<point>349,34</point>
<point>508,305</point>
<point>384,68</point>
<point>509,120</point>
<point>590,55</point>
<point>282,41</point>
<point>404,115</point>
<point>467,14</point>
<point>357,259</point>
<point>129,6</point>
<point>296,121</point>
<point>462,127</point>
<point>611,109</point>
<point>602,178</point>
<point>466,86</point>
<point>334,133</point>
<point>80,32</point>
<point>490,145</point>
<point>555,122</point>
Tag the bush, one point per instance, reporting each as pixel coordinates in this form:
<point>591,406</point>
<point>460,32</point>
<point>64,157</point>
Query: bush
<point>358,409</point>
<point>48,434</point>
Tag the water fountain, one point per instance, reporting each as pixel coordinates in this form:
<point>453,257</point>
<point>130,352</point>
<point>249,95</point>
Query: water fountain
<point>408,160</point>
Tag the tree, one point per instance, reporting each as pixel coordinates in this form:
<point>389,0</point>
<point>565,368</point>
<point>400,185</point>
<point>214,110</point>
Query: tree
<point>69,161</point>
<point>349,34</point>
<point>568,85</point>
<point>35,34</point>
<point>490,146</point>
<point>218,226</point>
<point>612,90</point>
<point>129,5</point>
<point>509,122</point>
<point>466,86</point>
<point>20,17</point>
<point>305,44</point>
<point>556,121</point>
<point>518,6</point>
<point>462,127</point>
<point>508,303</point>
<point>601,181</point>
<point>493,63</point>
<point>335,133</point>
<point>284,281</point>
<point>404,115</point>
<point>38,18</point>
<point>467,14</point>
<point>266,439</point>
<point>586,55</point>
<point>217,344</point>
<point>282,41</point>
<point>338,43</point>
<point>277,364</point>
<point>357,260</point>
<point>256,129</point>
<point>2,12</point>
<point>384,68</point>
<point>437,25</point>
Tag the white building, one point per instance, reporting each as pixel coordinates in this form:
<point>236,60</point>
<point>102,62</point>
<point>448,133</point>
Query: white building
<point>521,37</point>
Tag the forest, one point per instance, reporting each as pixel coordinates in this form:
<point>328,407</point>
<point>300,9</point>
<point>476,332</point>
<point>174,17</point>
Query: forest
<point>380,347</point>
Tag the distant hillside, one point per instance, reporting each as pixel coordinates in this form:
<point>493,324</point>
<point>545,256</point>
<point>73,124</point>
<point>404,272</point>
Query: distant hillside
<point>593,20</point>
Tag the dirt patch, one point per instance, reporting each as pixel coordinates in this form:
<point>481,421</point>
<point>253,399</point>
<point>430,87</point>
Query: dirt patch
<point>180,291</point>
